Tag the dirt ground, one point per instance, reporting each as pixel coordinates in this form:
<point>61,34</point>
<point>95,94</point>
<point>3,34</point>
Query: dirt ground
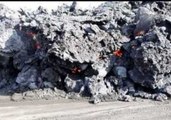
<point>64,109</point>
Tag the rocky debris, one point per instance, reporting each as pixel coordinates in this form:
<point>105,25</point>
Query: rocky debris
<point>49,75</point>
<point>154,70</point>
<point>117,51</point>
<point>46,93</point>
<point>156,96</point>
<point>27,77</point>
<point>145,20</point>
<point>17,97</point>
<point>73,6</point>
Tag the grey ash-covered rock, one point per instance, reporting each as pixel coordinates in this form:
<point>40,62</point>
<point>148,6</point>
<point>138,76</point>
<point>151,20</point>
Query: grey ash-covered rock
<point>117,51</point>
<point>152,61</point>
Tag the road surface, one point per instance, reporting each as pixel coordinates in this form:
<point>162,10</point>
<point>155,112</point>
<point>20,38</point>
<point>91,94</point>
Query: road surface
<point>82,110</point>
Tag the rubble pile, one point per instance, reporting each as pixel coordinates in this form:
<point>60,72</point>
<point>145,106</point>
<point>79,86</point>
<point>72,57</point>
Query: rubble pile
<point>117,51</point>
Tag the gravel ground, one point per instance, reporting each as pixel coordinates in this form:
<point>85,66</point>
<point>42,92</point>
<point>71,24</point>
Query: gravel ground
<point>65,109</point>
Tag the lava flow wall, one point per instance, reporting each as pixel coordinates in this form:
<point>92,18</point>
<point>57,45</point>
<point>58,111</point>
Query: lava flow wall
<point>119,50</point>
